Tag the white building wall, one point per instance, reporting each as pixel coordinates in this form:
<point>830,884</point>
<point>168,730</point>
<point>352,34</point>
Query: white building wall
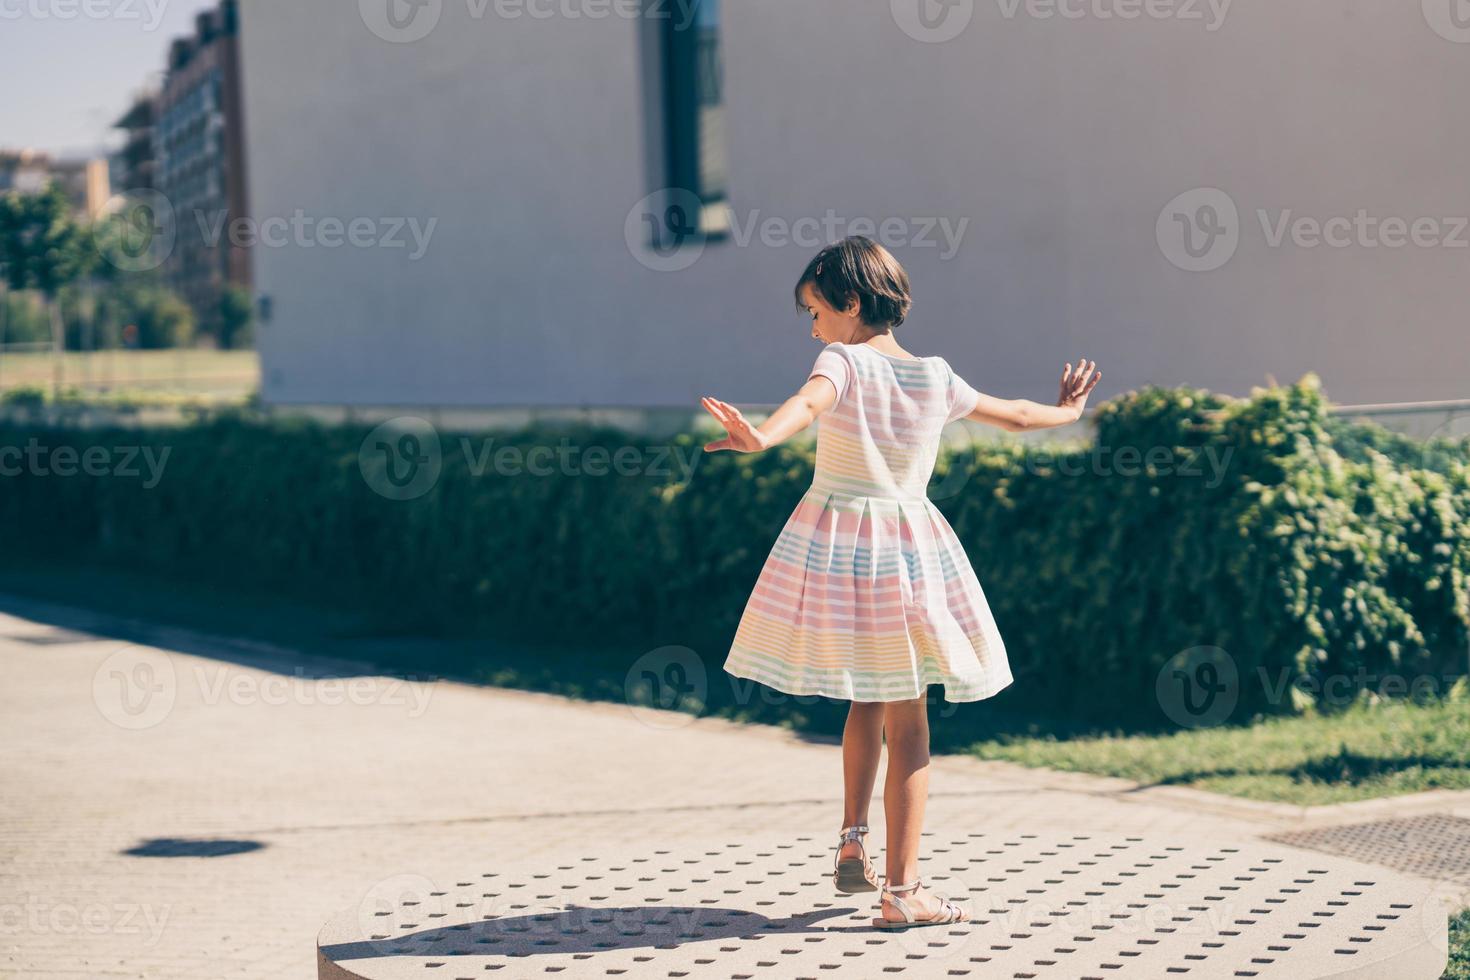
<point>1058,139</point>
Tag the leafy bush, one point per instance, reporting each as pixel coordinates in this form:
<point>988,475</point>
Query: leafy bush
<point>163,318</point>
<point>1458,967</point>
<point>1356,440</point>
<point>232,318</point>
<point>1189,520</point>
<point>24,396</point>
<point>23,319</point>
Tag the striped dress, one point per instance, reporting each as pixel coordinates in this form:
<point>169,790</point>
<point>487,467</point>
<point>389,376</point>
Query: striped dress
<point>867,594</point>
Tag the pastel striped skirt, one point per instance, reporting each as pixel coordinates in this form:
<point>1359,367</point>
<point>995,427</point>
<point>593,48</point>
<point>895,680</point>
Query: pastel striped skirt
<point>869,599</point>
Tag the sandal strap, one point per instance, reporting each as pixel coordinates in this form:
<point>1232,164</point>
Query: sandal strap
<point>854,834</point>
<point>903,907</point>
<point>948,911</point>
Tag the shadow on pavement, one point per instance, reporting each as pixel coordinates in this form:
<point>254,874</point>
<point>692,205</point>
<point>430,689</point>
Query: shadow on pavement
<point>177,847</point>
<point>586,929</point>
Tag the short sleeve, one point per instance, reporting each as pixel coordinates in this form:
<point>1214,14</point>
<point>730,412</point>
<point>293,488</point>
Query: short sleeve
<point>962,398</point>
<point>835,368</point>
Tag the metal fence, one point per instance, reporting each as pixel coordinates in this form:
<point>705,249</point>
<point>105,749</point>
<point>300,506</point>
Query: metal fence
<point>225,377</point>
<point>209,375</point>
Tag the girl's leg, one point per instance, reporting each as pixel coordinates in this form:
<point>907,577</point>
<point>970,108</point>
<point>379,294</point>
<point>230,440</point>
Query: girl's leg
<point>862,745</point>
<point>906,792</point>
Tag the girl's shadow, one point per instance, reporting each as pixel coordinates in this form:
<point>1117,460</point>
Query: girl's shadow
<point>583,929</point>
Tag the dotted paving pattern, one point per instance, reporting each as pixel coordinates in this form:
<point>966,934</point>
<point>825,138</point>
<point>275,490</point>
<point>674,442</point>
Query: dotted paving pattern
<point>1045,906</point>
<point>1434,845</point>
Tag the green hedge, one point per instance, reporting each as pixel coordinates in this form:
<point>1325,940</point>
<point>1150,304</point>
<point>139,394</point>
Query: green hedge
<point>1187,521</point>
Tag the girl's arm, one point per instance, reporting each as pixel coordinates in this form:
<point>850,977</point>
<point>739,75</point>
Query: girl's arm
<point>1021,414</point>
<point>798,412</point>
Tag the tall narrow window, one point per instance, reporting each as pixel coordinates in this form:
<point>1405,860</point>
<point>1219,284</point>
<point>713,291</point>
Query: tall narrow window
<point>692,82</point>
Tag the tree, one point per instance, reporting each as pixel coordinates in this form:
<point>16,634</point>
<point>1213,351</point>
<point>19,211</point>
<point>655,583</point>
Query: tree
<point>12,259</point>
<point>7,208</point>
<point>234,318</point>
<point>45,250</point>
<point>162,318</point>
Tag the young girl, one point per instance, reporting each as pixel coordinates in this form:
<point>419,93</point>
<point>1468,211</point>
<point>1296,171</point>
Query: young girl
<point>867,595</point>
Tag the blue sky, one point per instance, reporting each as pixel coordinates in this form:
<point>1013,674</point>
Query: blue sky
<point>68,76</point>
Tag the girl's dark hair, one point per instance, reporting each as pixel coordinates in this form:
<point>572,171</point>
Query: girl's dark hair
<point>859,267</point>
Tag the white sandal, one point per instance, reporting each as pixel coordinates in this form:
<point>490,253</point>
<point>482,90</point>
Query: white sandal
<point>853,875</point>
<point>948,912</point>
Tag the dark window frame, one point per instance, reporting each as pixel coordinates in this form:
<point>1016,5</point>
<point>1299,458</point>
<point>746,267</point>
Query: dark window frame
<point>689,78</point>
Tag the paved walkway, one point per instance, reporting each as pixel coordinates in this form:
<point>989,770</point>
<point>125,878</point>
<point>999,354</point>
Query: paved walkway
<point>125,761</point>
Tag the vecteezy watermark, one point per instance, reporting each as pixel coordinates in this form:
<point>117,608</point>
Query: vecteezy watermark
<point>1200,230</point>
<point>809,232</point>
<point>493,907</point>
<point>957,463</point>
<point>406,21</point>
<point>414,896</point>
<point>1198,687</point>
<point>663,231</point>
<point>309,231</point>
<point>229,685</point>
<point>403,458</point>
<point>932,21</point>
<point>147,13</point>
<point>666,688</point>
<point>567,458</point>
<point>401,21</point>
<point>966,888</point>
<point>36,916</point>
<point>1338,689</point>
<point>1118,913</point>
<point>1363,230</point>
<point>1209,13</point>
<point>1442,902</point>
<point>1450,19</point>
<point>1449,440</point>
<point>142,231</point>
<point>937,21</point>
<point>682,12</point>
<point>135,687</point>
<point>144,463</point>
<point>1209,463</point>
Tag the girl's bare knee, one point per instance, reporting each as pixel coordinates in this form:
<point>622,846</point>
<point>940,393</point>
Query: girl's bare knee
<point>905,720</point>
<point>912,707</point>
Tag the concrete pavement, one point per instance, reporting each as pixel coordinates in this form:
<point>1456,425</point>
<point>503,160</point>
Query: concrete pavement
<point>171,814</point>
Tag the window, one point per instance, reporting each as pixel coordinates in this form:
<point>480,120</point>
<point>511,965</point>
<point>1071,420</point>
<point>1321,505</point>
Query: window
<point>691,139</point>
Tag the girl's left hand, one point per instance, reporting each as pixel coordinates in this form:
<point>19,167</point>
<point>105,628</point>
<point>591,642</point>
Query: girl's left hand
<point>1077,385</point>
<point>742,437</point>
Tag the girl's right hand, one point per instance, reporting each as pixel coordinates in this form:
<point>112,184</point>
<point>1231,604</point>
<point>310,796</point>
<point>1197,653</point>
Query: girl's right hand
<point>741,436</point>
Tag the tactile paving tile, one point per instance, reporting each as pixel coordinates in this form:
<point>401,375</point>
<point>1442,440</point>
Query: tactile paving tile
<point>1080,907</point>
<point>1434,846</point>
